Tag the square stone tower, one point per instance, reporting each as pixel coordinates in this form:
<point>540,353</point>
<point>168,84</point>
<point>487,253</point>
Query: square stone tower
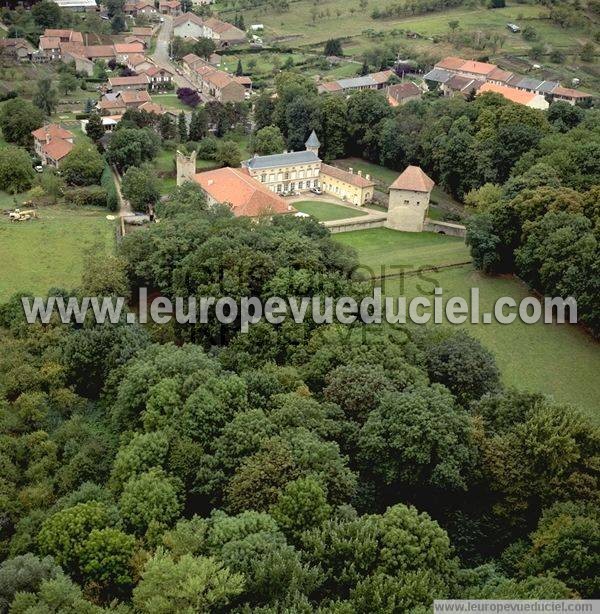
<point>186,167</point>
<point>409,200</point>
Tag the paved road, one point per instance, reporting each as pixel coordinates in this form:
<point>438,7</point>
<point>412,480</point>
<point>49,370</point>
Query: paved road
<point>161,53</point>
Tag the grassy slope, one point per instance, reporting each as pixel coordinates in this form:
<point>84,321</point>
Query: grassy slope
<point>562,361</point>
<point>326,212</point>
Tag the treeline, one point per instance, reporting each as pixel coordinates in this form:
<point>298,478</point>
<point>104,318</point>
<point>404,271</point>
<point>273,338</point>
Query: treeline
<point>299,467</point>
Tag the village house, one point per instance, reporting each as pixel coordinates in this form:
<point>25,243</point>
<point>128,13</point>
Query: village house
<point>460,85</point>
<point>402,93</point>
<point>116,103</point>
<point>170,7</point>
<point>49,47</point>
<point>17,49</point>
<point>124,50</point>
<point>142,32</point>
<point>139,63</point>
<point>135,82</point>
<point>191,26</point>
<point>136,39</point>
<point>569,95</point>
<point>160,78</point>
<point>147,8</point>
<point>218,85</point>
<point>374,81</point>
<point>528,99</point>
<point>52,143</point>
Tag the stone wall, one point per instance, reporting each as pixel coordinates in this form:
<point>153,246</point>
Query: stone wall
<point>446,228</point>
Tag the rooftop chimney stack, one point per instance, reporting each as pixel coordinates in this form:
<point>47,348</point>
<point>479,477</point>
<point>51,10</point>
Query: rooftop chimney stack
<point>351,170</point>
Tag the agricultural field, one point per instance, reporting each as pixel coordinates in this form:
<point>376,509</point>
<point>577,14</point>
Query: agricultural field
<point>559,360</point>
<point>49,252</point>
<point>326,212</point>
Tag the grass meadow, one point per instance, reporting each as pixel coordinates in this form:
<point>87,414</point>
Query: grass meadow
<point>49,251</point>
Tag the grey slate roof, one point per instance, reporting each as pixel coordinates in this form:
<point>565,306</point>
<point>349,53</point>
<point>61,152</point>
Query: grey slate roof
<point>354,82</point>
<point>527,83</point>
<point>285,159</point>
<point>439,75</point>
<point>547,86</point>
<point>313,140</point>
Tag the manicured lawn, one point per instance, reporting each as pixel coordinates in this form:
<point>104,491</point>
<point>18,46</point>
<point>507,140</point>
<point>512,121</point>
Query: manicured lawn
<point>48,252</point>
<point>384,252</point>
<point>325,212</point>
<point>558,360</point>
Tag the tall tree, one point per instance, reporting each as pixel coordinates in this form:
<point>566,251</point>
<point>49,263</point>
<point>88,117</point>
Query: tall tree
<point>182,127</point>
<point>198,124</point>
<point>46,96</point>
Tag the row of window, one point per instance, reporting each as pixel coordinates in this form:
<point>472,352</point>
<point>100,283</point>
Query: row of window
<point>264,178</point>
<point>293,186</point>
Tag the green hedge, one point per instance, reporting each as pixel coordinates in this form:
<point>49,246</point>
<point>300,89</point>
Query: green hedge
<point>89,196</point>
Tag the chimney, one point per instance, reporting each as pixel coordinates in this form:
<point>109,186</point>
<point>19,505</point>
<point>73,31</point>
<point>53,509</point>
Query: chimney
<point>211,181</point>
<point>360,173</point>
<point>351,170</point>
<point>368,177</point>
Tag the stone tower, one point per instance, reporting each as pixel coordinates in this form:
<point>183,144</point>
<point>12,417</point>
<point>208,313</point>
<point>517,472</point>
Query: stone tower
<point>313,144</point>
<point>409,200</point>
<point>186,167</point>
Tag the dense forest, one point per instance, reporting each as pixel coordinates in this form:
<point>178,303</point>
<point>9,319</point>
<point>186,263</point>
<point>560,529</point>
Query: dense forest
<point>296,468</point>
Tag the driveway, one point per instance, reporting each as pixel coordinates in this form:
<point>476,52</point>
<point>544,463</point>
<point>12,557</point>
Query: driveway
<point>161,53</point>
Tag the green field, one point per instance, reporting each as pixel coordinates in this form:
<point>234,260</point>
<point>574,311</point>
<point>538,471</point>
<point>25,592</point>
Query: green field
<point>170,101</point>
<point>346,18</point>
<point>48,252</point>
<point>559,360</point>
<point>386,252</point>
<point>326,212</point>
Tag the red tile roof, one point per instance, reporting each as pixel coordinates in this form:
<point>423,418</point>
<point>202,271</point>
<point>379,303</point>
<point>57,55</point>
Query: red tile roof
<point>567,92</point>
<point>129,48</point>
<point>133,80</point>
<point>71,35</point>
<point>510,93</point>
<point>57,149</point>
<point>500,75</point>
<point>246,196</point>
<point>181,19</point>
<point>450,63</point>
<point>478,68</point>
<point>331,86</point>
<point>131,96</point>
<point>383,76</point>
<point>404,90</point>
<point>346,176</point>
<point>414,179</point>
<point>52,131</point>
<point>141,31</point>
<point>49,42</point>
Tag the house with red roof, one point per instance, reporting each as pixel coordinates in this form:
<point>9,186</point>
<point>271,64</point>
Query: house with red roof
<point>170,7</point>
<point>528,99</point>
<point>52,143</point>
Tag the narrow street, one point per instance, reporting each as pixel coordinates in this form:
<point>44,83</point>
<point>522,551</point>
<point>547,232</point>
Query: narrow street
<point>161,53</point>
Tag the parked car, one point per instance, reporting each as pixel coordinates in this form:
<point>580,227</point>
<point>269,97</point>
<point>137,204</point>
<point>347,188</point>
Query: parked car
<point>316,191</point>
<point>39,168</point>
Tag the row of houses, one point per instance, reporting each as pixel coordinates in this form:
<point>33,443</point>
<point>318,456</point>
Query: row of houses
<point>213,83</point>
<point>459,76</point>
<point>150,10</point>
<point>192,27</point>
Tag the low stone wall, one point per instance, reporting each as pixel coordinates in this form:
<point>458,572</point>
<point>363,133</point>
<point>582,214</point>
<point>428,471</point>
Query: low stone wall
<point>356,223</point>
<point>445,228</point>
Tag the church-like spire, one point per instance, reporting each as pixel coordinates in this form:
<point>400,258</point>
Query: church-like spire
<point>313,143</point>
